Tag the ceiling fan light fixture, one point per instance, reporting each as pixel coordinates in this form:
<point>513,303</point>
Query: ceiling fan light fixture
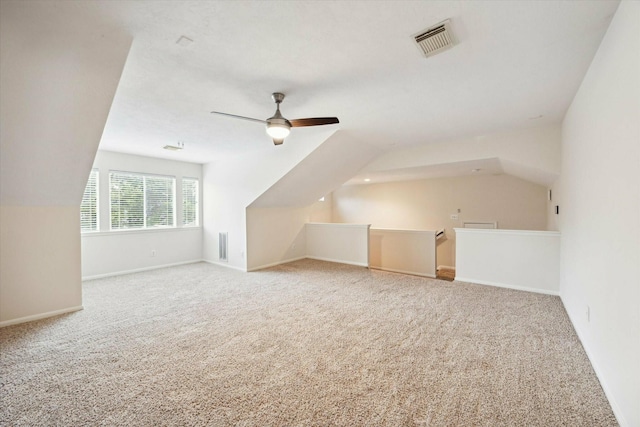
<point>278,130</point>
<point>278,127</point>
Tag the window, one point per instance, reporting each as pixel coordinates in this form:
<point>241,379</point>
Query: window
<point>159,200</point>
<point>141,201</point>
<point>190,209</point>
<point>89,205</point>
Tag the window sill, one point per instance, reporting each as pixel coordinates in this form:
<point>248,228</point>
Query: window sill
<point>138,231</point>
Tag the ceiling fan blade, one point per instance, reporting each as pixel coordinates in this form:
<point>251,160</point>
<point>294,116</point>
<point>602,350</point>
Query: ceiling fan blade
<point>238,117</point>
<point>316,121</point>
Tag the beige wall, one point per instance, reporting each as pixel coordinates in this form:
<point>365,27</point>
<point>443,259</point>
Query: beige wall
<point>58,84</point>
<point>275,236</point>
<point>342,243</point>
<point>514,259</point>
<point>552,217</point>
<point>230,185</point>
<point>403,251</point>
<point>599,197</point>
<point>428,204</point>
<point>321,210</point>
<point>39,262</point>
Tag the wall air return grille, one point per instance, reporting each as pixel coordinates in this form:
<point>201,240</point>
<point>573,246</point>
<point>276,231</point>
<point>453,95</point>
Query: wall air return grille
<point>223,246</point>
<point>435,40</point>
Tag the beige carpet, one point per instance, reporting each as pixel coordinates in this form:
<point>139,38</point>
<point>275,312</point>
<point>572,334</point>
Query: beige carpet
<point>304,344</point>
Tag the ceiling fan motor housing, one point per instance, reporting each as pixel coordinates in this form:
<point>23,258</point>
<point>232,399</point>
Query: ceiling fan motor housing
<point>277,126</point>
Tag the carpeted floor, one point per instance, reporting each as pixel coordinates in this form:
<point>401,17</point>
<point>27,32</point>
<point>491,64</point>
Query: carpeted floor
<point>303,344</point>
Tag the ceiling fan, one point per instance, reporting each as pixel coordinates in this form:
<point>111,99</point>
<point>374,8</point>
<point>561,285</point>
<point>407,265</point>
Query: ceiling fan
<point>279,127</point>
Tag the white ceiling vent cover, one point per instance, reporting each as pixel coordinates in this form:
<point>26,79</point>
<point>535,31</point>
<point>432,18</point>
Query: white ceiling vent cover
<point>435,40</point>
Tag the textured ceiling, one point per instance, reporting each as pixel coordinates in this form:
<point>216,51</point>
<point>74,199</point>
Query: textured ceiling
<point>356,60</point>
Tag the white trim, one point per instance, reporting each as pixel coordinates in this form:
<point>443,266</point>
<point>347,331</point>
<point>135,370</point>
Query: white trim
<point>224,264</point>
<point>339,261</point>
<point>396,230</point>
<point>139,231</point>
<point>273,264</point>
<point>607,391</point>
<point>139,270</point>
<point>339,224</point>
<point>40,316</point>
<point>413,273</point>
<point>504,285</point>
<point>540,233</point>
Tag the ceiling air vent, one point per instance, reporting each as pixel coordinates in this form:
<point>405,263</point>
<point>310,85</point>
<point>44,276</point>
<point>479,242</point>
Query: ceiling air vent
<point>435,39</point>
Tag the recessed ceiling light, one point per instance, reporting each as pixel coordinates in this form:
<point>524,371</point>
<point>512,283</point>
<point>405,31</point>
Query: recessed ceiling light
<point>367,179</point>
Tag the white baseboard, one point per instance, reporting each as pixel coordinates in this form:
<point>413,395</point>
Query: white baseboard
<point>40,316</point>
<point>596,368</point>
<point>413,273</point>
<point>138,270</point>
<point>504,285</point>
<point>273,264</point>
<point>225,265</point>
<point>340,261</point>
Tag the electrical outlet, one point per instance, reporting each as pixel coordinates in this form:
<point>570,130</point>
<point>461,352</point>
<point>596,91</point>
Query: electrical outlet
<point>588,314</point>
<point>454,216</point>
<point>153,252</point>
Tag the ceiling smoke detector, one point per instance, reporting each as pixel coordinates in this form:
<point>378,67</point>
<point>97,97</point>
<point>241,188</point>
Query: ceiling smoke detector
<point>435,39</point>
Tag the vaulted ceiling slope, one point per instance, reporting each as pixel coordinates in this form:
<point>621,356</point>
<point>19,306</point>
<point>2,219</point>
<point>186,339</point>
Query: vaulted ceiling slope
<point>516,64</point>
<point>529,154</point>
<point>325,169</point>
<point>58,79</point>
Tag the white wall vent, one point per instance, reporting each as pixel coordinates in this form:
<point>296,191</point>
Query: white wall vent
<point>223,246</point>
<point>435,39</point>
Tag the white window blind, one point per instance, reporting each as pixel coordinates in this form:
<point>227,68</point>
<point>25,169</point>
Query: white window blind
<point>190,210</point>
<point>141,201</point>
<point>159,200</point>
<point>89,205</point>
